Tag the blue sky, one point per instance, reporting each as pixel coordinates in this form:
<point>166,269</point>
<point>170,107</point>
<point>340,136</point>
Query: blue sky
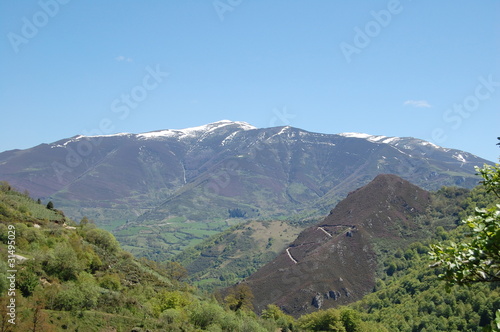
<point>427,69</point>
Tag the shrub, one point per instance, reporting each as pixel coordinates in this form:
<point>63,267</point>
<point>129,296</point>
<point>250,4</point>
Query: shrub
<point>63,263</point>
<point>204,314</point>
<point>102,239</point>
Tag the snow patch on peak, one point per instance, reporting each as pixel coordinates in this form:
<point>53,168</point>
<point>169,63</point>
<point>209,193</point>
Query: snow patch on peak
<point>195,131</point>
<point>459,157</point>
<point>432,144</point>
<point>355,135</point>
<point>373,138</point>
<point>83,137</point>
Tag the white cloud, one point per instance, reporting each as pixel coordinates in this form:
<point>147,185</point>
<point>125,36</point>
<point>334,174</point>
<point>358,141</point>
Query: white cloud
<point>123,58</point>
<point>417,103</point>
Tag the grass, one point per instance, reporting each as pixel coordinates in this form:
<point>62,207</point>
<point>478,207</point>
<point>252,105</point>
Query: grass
<point>112,225</point>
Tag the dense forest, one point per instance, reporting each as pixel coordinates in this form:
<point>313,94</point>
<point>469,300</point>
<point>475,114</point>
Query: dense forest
<point>76,277</point>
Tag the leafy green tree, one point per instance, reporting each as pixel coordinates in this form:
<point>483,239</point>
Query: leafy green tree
<point>84,221</point>
<point>240,297</point>
<point>50,205</point>
<point>27,281</point>
<point>284,321</point>
<point>206,314</point>
<point>111,282</point>
<point>103,240</point>
<point>324,320</point>
<point>63,262</point>
<point>175,270</point>
<point>478,259</point>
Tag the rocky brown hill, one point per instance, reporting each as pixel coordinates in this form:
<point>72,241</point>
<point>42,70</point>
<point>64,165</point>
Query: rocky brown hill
<point>334,262</point>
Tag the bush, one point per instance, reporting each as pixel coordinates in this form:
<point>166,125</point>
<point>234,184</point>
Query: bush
<point>63,262</point>
<point>102,239</point>
<point>111,282</point>
<point>70,298</point>
<point>330,320</point>
<point>203,315</point>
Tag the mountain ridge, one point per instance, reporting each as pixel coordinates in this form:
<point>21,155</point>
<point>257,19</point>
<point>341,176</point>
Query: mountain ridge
<point>199,174</point>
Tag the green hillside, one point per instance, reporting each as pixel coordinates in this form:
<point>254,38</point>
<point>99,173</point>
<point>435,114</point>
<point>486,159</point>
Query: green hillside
<point>230,256</point>
<point>72,277</point>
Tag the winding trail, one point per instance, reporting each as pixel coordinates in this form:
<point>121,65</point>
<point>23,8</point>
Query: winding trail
<point>290,255</point>
<point>346,227</point>
<point>321,228</point>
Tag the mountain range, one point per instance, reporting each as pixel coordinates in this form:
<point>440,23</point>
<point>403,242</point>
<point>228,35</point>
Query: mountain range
<point>221,171</point>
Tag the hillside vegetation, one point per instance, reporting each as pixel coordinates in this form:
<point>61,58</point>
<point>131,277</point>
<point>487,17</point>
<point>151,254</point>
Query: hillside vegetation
<point>232,255</point>
<point>77,278</point>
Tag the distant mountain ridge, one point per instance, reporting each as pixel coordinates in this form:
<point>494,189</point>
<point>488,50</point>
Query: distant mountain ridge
<point>199,174</point>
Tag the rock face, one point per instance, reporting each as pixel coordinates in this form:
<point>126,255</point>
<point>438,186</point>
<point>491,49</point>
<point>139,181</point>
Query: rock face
<point>317,301</point>
<point>334,263</point>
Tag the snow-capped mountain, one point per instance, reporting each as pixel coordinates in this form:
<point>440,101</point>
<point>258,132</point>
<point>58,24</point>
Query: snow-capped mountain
<point>200,173</point>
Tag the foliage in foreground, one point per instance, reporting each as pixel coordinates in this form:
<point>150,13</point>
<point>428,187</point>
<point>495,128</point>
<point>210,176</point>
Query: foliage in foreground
<point>477,259</point>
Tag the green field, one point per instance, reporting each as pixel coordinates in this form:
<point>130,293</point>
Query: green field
<point>164,240</point>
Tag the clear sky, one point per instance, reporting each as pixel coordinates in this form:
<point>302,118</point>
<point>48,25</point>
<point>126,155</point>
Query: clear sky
<point>427,69</point>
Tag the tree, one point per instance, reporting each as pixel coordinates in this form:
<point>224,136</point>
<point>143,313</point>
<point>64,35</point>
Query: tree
<point>63,262</point>
<point>103,240</point>
<point>175,270</point>
<point>284,321</point>
<point>478,259</point>
<point>84,221</point>
<point>38,320</point>
<point>236,213</point>
<point>240,297</point>
<point>5,186</point>
<point>323,320</point>
<point>50,205</point>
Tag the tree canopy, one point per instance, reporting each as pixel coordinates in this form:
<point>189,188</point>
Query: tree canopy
<point>477,257</point>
